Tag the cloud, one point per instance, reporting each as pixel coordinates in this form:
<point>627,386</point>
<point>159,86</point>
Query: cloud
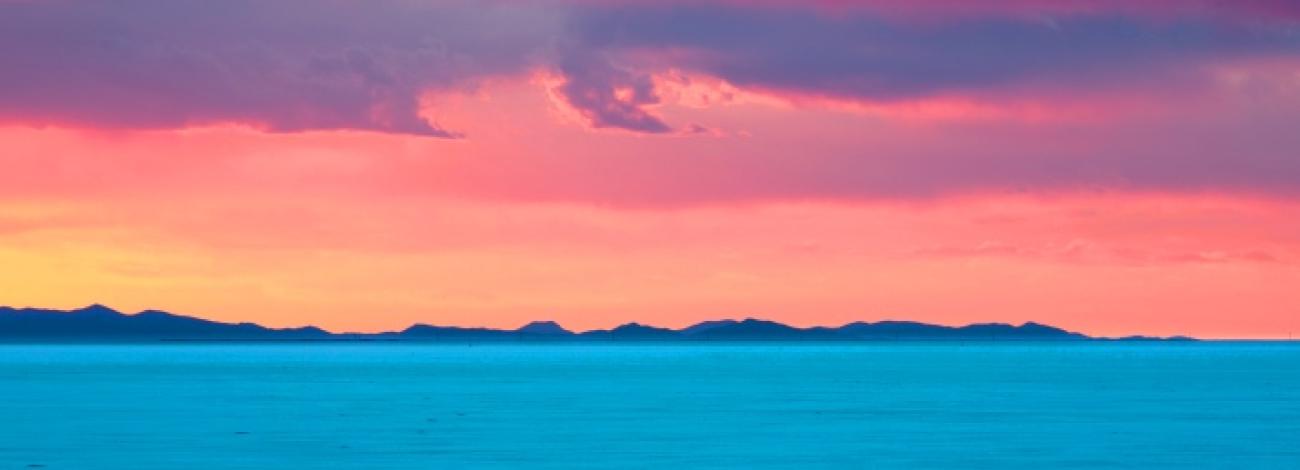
<point>862,55</point>
<point>333,64</point>
<point>608,96</point>
<point>285,66</point>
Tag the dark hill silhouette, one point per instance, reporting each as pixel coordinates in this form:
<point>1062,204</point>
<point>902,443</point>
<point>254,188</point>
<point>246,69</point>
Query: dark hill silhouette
<point>97,322</point>
<point>887,330</point>
<point>707,325</point>
<point>100,323</point>
<point>451,333</point>
<point>544,328</point>
<point>758,330</point>
<point>633,332</point>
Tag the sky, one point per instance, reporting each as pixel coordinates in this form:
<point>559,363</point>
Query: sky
<point>1106,166</point>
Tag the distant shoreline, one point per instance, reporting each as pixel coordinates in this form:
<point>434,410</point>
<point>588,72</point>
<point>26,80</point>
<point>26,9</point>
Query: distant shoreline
<point>594,342</point>
<point>98,323</point>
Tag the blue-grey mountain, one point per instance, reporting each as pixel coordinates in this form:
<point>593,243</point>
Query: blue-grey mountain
<point>100,323</point>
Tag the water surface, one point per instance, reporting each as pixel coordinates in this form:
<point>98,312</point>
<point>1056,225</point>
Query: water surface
<point>894,405</point>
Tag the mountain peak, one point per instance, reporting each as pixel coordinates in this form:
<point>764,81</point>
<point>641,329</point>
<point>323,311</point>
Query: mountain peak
<point>749,328</point>
<point>544,327</point>
<point>635,327</point>
<point>96,309</point>
<point>707,325</point>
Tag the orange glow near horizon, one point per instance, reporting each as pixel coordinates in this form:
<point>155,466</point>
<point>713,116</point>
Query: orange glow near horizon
<point>534,216</point>
<point>352,268</point>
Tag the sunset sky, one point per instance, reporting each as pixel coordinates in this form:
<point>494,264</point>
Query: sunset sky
<point>1109,167</point>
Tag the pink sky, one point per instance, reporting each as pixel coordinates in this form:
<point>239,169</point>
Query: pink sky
<point>1102,168</point>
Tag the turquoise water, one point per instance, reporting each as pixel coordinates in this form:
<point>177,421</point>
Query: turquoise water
<point>398,406</point>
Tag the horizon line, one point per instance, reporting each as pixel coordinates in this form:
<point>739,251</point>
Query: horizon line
<point>97,305</point>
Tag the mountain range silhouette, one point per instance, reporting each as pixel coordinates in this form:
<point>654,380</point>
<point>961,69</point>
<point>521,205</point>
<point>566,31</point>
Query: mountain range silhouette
<point>100,323</point>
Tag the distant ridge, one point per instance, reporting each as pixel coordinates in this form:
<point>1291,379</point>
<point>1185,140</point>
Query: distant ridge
<point>100,323</point>
<point>97,322</point>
